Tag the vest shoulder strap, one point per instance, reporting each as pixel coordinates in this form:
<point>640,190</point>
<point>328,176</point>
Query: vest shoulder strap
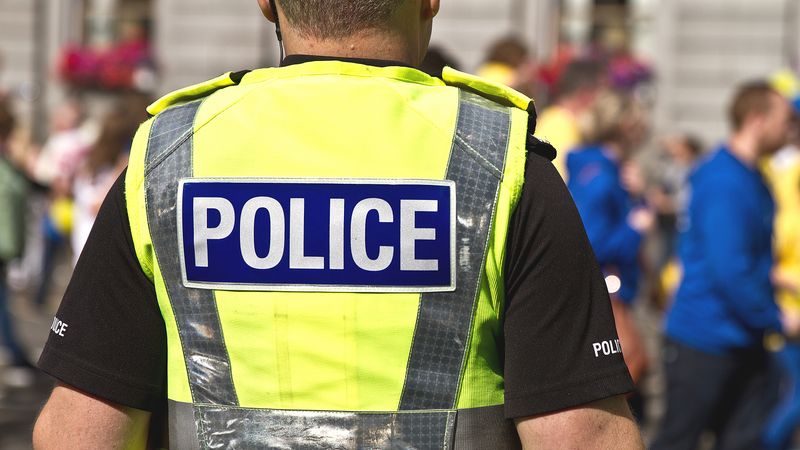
<point>491,90</point>
<point>505,96</point>
<point>196,91</point>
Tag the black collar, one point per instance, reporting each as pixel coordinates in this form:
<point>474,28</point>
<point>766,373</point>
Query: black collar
<point>291,60</point>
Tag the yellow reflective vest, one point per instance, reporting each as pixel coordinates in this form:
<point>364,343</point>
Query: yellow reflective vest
<point>314,364</point>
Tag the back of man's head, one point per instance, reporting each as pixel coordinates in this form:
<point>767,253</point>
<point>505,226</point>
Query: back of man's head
<point>579,76</point>
<point>327,19</point>
<point>751,99</point>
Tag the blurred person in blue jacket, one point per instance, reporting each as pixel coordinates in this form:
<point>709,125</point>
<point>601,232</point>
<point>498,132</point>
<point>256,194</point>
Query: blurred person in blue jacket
<point>717,371</point>
<point>607,187</point>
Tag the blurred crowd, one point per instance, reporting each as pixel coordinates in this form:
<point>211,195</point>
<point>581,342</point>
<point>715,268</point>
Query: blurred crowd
<point>50,193</point>
<point>680,229</point>
<point>702,237</point>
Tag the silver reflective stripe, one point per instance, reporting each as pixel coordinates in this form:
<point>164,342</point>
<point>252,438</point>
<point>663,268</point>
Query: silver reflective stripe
<point>485,428</point>
<point>444,321</point>
<point>168,160</point>
<point>246,428</point>
<point>182,426</point>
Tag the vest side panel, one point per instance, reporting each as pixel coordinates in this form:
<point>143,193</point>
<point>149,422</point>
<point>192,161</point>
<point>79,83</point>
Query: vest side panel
<point>482,382</point>
<point>300,360</point>
<point>177,379</point>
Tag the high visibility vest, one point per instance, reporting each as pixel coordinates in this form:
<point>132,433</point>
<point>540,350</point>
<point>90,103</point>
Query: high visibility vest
<point>289,330</point>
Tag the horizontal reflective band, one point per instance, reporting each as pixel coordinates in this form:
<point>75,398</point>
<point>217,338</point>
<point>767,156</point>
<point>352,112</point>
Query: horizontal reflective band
<point>345,235</point>
<point>221,427</point>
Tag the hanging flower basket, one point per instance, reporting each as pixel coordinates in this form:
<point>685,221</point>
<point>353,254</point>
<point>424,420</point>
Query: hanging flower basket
<point>112,69</point>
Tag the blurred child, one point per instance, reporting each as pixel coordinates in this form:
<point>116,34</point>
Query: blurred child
<point>668,196</point>
<point>55,167</point>
<point>670,193</point>
<point>93,179</point>
<point>607,188</point>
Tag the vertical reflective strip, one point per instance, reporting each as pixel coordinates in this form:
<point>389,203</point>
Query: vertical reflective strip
<point>444,320</point>
<point>168,160</point>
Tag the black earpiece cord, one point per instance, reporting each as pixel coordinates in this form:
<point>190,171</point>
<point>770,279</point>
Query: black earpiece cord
<point>277,28</point>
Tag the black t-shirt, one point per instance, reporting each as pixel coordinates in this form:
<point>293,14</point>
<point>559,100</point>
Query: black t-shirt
<point>108,338</point>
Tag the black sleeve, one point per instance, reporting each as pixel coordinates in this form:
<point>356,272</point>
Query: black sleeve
<point>108,338</point>
<point>557,306</point>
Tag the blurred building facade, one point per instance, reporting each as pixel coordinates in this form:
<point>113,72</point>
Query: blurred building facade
<point>700,49</point>
<point>707,47</point>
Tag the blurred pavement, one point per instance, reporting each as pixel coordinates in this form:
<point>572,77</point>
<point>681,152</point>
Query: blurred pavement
<point>23,392</point>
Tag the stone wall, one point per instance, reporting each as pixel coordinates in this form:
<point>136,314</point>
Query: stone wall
<point>17,51</point>
<point>706,48</point>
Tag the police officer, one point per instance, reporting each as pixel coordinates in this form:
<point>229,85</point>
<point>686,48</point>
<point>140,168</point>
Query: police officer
<point>342,252</point>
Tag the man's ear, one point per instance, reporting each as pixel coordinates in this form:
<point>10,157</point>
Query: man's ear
<point>430,8</point>
<point>266,10</point>
<point>754,122</point>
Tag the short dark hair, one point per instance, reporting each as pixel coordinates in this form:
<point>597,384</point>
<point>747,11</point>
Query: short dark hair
<point>578,75</point>
<point>7,120</point>
<point>509,51</point>
<point>606,116</point>
<point>337,18</point>
<point>751,98</point>
<point>693,144</point>
<point>436,60</point>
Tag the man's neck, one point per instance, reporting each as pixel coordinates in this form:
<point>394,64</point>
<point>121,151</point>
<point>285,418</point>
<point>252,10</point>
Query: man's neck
<point>363,45</point>
<point>744,147</point>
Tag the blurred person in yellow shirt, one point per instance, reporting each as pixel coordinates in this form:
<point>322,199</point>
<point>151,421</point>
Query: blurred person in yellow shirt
<point>504,59</point>
<point>783,173</point>
<point>560,123</point>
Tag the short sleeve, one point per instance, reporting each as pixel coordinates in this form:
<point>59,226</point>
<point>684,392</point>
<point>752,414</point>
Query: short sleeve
<point>561,345</point>
<point>108,337</point>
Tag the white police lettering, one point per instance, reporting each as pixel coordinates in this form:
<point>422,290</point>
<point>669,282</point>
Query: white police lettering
<point>410,234</point>
<point>202,232</point>
<point>358,234</point>
<point>318,235</point>
<point>277,229</point>
<point>337,234</point>
<point>606,348</point>
<point>58,327</point>
<point>297,237</point>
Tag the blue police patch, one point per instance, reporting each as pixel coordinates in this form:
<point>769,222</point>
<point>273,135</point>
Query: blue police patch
<point>318,235</point>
